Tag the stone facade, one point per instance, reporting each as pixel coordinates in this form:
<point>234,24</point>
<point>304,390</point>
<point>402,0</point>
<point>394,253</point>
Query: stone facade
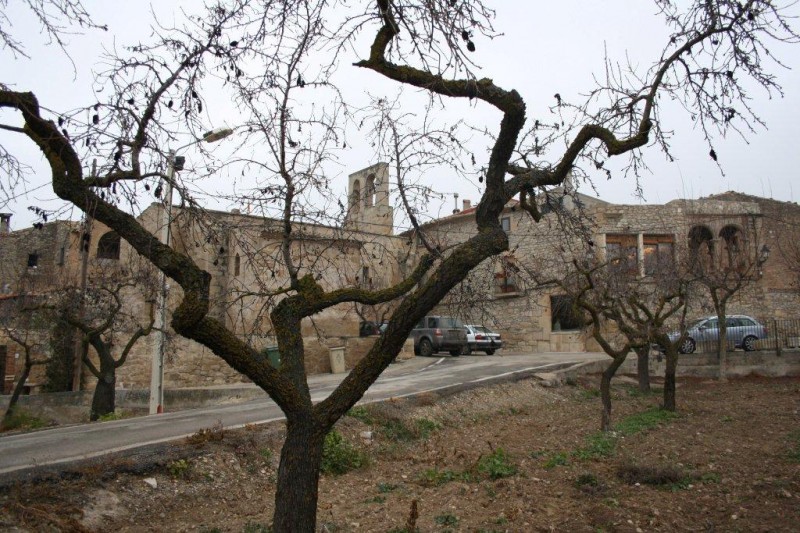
<point>244,257</point>
<point>243,254</point>
<point>502,293</point>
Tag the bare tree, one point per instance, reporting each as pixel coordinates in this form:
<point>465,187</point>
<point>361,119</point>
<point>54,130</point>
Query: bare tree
<point>724,268</point>
<point>22,320</point>
<point>261,49</point>
<point>99,313</point>
<point>628,312</point>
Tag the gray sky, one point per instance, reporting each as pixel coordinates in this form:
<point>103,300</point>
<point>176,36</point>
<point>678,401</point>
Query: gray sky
<point>546,48</point>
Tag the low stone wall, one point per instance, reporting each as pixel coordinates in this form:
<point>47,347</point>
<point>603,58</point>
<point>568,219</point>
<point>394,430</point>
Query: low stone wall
<point>740,364</point>
<point>74,406</point>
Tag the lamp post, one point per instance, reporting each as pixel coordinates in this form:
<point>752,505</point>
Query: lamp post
<point>157,370</point>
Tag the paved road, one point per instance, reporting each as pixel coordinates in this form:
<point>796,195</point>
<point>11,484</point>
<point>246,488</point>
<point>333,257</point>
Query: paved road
<point>85,441</point>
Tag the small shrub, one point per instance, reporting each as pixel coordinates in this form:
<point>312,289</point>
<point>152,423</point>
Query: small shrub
<point>376,499</point>
<point>426,426</point>
<point>396,429</point>
<point>644,421</point>
<point>179,468</point>
<point>255,527</point>
<point>586,480</point>
<point>794,453</point>
<point>590,393</point>
<point>339,456</point>
<point>433,477</point>
<point>557,459</point>
<point>109,417</point>
<point>497,465</point>
<point>446,520</point>
<point>651,475</point>
<point>600,444</point>
<point>361,413</point>
<point>22,419</point>
<point>212,434</point>
<point>589,484</point>
<point>385,488</point>
<point>265,454</point>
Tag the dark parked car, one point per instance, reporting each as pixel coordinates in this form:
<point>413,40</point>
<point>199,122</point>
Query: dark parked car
<point>371,328</point>
<point>742,331</point>
<point>439,333</point>
<point>482,339</point>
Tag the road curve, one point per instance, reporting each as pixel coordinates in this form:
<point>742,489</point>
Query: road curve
<point>85,441</point>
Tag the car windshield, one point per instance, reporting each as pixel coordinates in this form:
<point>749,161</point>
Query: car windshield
<point>481,329</point>
<point>450,322</point>
<point>696,323</point>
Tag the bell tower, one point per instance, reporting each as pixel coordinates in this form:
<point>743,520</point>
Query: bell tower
<point>368,207</point>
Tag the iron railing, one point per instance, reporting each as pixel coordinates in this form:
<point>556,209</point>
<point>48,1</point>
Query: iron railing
<point>774,334</point>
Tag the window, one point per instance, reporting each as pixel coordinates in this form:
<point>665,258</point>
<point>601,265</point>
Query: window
<point>564,315</point>
<point>237,265</point>
<point>33,260</point>
<point>62,255</point>
<point>369,191</point>
<point>733,240</point>
<point>355,196</point>
<point>506,281</point>
<point>365,280</point>
<point>658,253</point>
<point>505,223</point>
<point>622,253</point>
<point>108,246</point>
<point>701,248</point>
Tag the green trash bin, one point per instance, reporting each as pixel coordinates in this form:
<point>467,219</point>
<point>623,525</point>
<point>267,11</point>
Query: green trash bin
<point>273,356</point>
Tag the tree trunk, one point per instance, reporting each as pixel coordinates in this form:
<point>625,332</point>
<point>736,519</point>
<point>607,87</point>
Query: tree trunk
<point>605,391</point>
<point>104,398</point>
<point>643,368</point>
<point>298,477</point>
<point>669,379</point>
<point>12,403</point>
<point>722,350</point>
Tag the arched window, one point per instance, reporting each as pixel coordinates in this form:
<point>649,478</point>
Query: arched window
<point>355,196</point>
<point>701,247</point>
<point>108,246</point>
<point>734,247</point>
<point>369,191</point>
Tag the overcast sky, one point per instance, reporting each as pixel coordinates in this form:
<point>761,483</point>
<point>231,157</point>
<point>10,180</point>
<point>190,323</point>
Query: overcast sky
<point>546,48</point>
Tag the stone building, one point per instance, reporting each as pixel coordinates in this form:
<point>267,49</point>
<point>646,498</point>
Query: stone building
<point>244,256</point>
<point>243,253</point>
<point>505,292</point>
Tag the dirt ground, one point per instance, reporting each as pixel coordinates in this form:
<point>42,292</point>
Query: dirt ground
<point>513,457</point>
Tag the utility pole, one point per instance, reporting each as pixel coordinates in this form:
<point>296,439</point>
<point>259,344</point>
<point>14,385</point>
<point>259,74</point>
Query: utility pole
<point>157,367</point>
<point>85,247</point>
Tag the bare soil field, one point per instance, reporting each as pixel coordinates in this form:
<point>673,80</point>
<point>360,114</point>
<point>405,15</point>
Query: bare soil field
<point>512,457</point>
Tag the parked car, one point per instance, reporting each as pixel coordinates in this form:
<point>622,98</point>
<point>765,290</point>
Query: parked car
<point>742,331</point>
<point>372,328</point>
<point>482,339</point>
<point>439,333</point>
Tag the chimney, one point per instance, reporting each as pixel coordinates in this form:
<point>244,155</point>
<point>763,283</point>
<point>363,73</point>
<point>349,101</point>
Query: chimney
<point>467,204</point>
<point>5,222</point>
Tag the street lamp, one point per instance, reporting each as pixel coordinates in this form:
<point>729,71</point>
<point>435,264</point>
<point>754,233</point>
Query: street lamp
<point>157,370</point>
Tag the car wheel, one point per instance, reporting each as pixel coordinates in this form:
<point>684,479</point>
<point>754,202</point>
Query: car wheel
<point>489,352</point>
<point>425,348</point>
<point>466,350</point>
<point>749,343</point>
<point>456,353</point>
<point>688,346</point>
